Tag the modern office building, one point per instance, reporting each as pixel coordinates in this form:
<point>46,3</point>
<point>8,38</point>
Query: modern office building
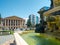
<point>13,22</point>
<point>37,20</point>
<point>34,19</point>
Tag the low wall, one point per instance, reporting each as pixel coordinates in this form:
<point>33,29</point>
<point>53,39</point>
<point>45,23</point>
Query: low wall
<point>19,40</point>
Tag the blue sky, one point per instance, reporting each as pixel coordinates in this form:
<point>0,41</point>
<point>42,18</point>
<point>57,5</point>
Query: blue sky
<point>21,8</point>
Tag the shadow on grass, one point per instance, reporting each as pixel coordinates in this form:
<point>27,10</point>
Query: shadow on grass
<point>37,39</point>
<point>44,41</point>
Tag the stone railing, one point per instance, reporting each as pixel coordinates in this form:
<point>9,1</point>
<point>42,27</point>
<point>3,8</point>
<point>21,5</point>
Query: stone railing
<point>19,40</point>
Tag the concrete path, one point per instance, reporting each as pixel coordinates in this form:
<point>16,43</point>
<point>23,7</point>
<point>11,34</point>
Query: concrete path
<point>9,39</point>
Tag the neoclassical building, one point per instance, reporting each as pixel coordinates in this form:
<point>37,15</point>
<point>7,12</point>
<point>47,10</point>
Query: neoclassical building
<point>54,14</point>
<point>1,24</point>
<point>13,22</point>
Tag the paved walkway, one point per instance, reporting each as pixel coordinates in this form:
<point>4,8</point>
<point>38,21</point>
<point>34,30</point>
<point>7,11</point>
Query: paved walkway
<point>9,39</point>
<point>4,40</point>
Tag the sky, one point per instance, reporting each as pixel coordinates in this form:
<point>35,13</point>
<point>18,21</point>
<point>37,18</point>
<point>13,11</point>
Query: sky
<point>21,8</point>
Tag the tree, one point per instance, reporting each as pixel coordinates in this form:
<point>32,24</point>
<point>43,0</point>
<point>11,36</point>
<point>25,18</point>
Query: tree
<point>42,22</point>
<point>41,11</point>
<point>37,30</point>
<point>29,23</point>
<point>51,4</point>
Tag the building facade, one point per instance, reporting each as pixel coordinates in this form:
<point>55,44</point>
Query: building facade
<point>56,3</point>
<point>37,20</point>
<point>1,23</point>
<point>53,13</point>
<point>34,19</point>
<point>13,22</point>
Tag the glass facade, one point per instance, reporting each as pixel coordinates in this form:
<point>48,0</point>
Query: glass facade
<point>34,19</point>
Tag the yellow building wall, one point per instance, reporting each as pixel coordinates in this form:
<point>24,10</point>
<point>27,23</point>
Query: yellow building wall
<point>57,22</point>
<point>56,3</point>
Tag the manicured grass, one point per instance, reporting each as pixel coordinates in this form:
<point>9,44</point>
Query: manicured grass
<point>28,31</point>
<point>39,39</point>
<point>6,32</point>
<point>11,32</point>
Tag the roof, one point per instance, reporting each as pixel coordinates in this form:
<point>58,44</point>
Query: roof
<point>52,10</point>
<point>13,17</point>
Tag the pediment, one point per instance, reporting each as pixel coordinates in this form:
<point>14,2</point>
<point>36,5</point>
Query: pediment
<point>13,17</point>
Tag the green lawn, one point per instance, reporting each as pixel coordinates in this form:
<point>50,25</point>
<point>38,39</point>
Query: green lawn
<point>6,32</point>
<point>37,39</point>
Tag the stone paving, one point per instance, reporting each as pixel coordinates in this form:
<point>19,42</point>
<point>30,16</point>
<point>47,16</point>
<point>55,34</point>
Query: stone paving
<point>6,39</point>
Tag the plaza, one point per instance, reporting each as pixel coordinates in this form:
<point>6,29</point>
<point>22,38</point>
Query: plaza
<point>37,31</point>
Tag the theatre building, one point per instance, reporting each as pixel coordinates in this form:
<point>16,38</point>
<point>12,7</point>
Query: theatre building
<point>53,16</point>
<point>13,22</point>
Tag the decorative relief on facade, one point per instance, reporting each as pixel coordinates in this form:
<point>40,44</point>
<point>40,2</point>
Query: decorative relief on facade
<point>56,3</point>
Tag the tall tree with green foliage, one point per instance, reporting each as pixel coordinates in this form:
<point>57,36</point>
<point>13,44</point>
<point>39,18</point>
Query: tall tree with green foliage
<point>51,5</point>
<point>41,11</point>
<point>29,23</point>
<point>42,21</point>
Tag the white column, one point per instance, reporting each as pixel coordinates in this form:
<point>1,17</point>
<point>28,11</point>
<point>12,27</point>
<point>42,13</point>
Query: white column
<point>15,22</point>
<point>8,22</point>
<point>5,23</point>
<point>22,23</point>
